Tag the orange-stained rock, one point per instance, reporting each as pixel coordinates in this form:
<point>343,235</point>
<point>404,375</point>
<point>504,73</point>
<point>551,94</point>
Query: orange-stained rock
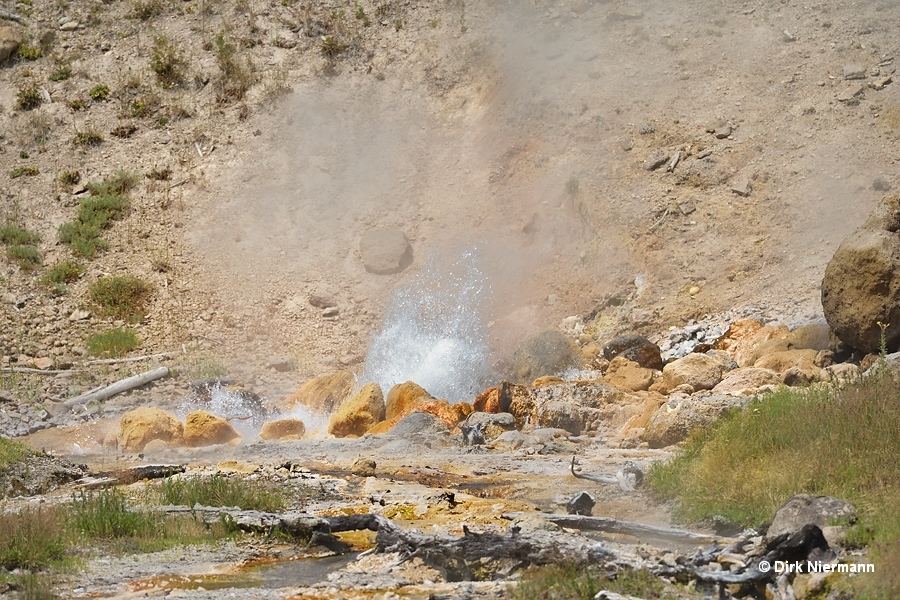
<point>463,409</point>
<point>652,401</point>
<point>143,425</point>
<point>440,409</point>
<point>321,394</point>
<point>547,380</point>
<point>358,414</point>
<point>628,375</point>
<point>744,340</point>
<point>282,429</point>
<point>384,426</point>
<point>488,401</point>
<point>403,399</point>
<point>205,429</point>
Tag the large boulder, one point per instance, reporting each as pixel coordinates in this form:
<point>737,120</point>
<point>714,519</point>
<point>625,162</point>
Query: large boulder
<point>491,425</point>
<point>795,366</point>
<point>358,414</point>
<point>635,348</point>
<point>282,429</point>
<point>206,429</point>
<point>547,353</point>
<point>440,409</point>
<point>145,424</point>
<point>748,381</point>
<point>403,398</point>
<point>385,251</point>
<point>748,339</point>
<point>674,420</point>
<point>628,375</point>
<point>10,40</point>
<point>804,509</point>
<point>860,293</point>
<point>576,407</point>
<point>700,371</point>
<point>321,394</point>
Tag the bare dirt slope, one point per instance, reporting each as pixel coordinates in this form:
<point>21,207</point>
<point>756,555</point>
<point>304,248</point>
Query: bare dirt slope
<point>519,129</point>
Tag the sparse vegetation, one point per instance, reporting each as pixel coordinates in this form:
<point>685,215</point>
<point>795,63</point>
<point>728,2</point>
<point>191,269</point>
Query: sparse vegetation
<point>164,174</point>
<point>106,204</point>
<point>220,491</point>
<point>11,452</point>
<point>57,276</point>
<point>113,343</point>
<point>572,582</point>
<point>746,466</point>
<point>28,52</point>
<point>69,177</point>
<point>124,297</point>
<point>105,515</point>
<point>236,77</point>
<point>31,538</point>
<point>11,234</point>
<point>27,257</point>
<point>29,96</point>
<point>27,171</point>
<point>88,137</point>
<point>147,10</point>
<point>166,61</point>
<point>99,92</point>
<point>332,47</point>
<point>123,131</point>
<point>62,72</point>
<point>21,246</point>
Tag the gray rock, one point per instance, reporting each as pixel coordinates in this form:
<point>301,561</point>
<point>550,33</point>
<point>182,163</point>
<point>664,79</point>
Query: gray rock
<point>418,423</point>
<point>10,40</point>
<point>282,364</point>
<point>854,72</point>
<point>850,93</point>
<point>741,187</point>
<point>804,509</point>
<point>723,131</point>
<point>673,421</point>
<point>880,184</point>
<point>635,348</point>
<point>656,159</point>
<point>491,425</point>
<point>547,353</point>
<point>363,467</point>
<point>385,251</point>
<point>580,504</point>
<point>322,298</point>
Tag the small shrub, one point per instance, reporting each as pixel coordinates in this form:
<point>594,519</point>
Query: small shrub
<point>221,491</point>
<point>31,539</point>
<point>147,10</point>
<point>29,97</point>
<point>61,273</point>
<point>83,239</point>
<point>27,257</point>
<point>331,47</point>
<point>124,297</point>
<point>120,182</point>
<point>27,171</point>
<point>61,73</point>
<point>14,235</point>
<point>166,61</point>
<point>106,204</point>
<point>69,177</point>
<point>164,174</point>
<point>113,343</point>
<point>89,137</point>
<point>236,78</point>
<point>99,92</point>
<point>27,52</point>
<point>142,107</point>
<point>76,104</point>
<point>123,131</point>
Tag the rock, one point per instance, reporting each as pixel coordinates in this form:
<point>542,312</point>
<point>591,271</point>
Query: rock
<point>854,72</point>
<point>54,409</point>
<point>403,398</point>
<point>700,371</point>
<point>547,380</point>
<point>358,414</point>
<point>42,363</point>
<point>463,409</point>
<point>155,447</point>
<point>206,429</point>
<point>635,348</point>
<point>656,159</point>
<point>322,298</point>
<point>841,372</point>
<point>69,26</point>
<point>747,381</point>
<point>880,84</point>
<point>786,359</point>
<point>440,409</point>
<point>282,429</point>
<point>79,315</point>
<point>741,186</point>
<point>814,336</point>
<point>321,394</point>
<point>363,467</point>
<point>804,509</point>
<point>418,423</point>
<point>491,425</point>
<point>10,40</point>
<point>282,364</point>
<point>849,94</point>
<point>575,407</point>
<point>581,504</point>
<point>744,340</point>
<point>673,421</point>
<point>142,425</point>
<point>547,353</point>
<point>385,251</point>
<point>628,375</point>
<point>860,289</point>
<point>511,440</point>
<point>488,401</point>
<point>723,130</point>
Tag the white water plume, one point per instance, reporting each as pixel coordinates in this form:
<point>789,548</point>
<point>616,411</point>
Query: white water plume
<point>433,334</point>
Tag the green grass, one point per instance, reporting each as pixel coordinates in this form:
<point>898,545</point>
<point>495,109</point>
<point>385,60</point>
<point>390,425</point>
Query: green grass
<point>125,297</point>
<point>31,538</point>
<point>107,203</point>
<point>824,440</point>
<point>220,491</point>
<point>62,273</point>
<point>14,235</point>
<point>120,182</point>
<point>20,246</point>
<point>571,582</point>
<point>28,52</point>
<point>99,92</point>
<point>166,61</point>
<point>27,257</point>
<point>27,171</point>
<point>12,452</point>
<point>106,515</point>
<point>113,343</point>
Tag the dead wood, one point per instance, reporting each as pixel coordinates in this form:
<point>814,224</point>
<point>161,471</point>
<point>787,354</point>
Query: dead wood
<point>118,387</point>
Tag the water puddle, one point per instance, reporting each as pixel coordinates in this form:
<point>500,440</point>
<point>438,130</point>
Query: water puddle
<point>253,574</point>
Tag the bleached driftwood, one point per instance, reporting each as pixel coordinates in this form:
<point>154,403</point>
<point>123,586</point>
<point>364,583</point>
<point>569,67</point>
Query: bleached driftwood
<point>11,16</point>
<point>632,528</point>
<point>118,387</point>
<point>38,371</point>
<point>629,477</point>
<point>115,361</point>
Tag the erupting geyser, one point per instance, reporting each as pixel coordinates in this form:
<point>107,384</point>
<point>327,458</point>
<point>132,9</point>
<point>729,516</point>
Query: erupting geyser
<point>433,334</point>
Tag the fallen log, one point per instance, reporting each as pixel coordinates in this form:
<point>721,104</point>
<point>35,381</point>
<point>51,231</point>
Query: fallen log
<point>628,478</point>
<point>632,528</point>
<point>118,387</point>
<point>39,371</point>
<point>116,361</point>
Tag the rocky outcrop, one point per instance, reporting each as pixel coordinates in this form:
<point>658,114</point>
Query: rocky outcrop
<point>440,409</point>
<point>403,398</point>
<point>747,381</point>
<point>282,429</point>
<point>321,394</point>
<point>699,371</point>
<point>206,429</point>
<point>548,353</point>
<point>797,367</point>
<point>358,414</point>
<point>576,407</point>
<point>491,425</point>
<point>804,509</point>
<point>628,375</point>
<point>861,288</point>
<point>635,348</point>
<point>385,251</point>
<point>673,421</point>
<point>143,425</point>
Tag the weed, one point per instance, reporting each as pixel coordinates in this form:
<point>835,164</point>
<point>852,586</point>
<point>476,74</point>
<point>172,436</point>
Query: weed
<point>236,78</point>
<point>88,137</point>
<point>166,61</point>
<point>61,73</point>
<point>99,92</point>
<point>332,47</point>
<point>113,343</point>
<point>69,177</point>
<point>27,171</point>
<point>124,297</point>
<point>164,174</point>
<point>106,515</point>
<point>220,491</point>
<point>27,257</point>
<point>120,182</point>
<point>123,131</point>
<point>27,52</point>
<point>572,582</point>
<point>147,10</point>
<point>29,97</point>
<point>14,235</point>
<point>62,273</point>
<point>31,539</point>
<point>77,104</point>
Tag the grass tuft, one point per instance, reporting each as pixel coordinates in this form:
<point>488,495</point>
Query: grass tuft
<point>124,297</point>
<point>14,235</point>
<point>99,92</point>
<point>106,515</point>
<point>572,582</point>
<point>106,204</point>
<point>29,97</point>
<point>27,257</point>
<point>166,61</point>
<point>113,343</point>
<point>31,539</point>
<point>220,491</point>
<point>88,137</point>
<point>237,76</point>
<point>69,177</point>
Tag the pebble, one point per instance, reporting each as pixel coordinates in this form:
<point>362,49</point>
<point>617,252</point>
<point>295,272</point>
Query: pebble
<point>854,72</point>
<point>742,187</point>
<point>850,93</point>
<point>656,159</point>
<point>69,26</point>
